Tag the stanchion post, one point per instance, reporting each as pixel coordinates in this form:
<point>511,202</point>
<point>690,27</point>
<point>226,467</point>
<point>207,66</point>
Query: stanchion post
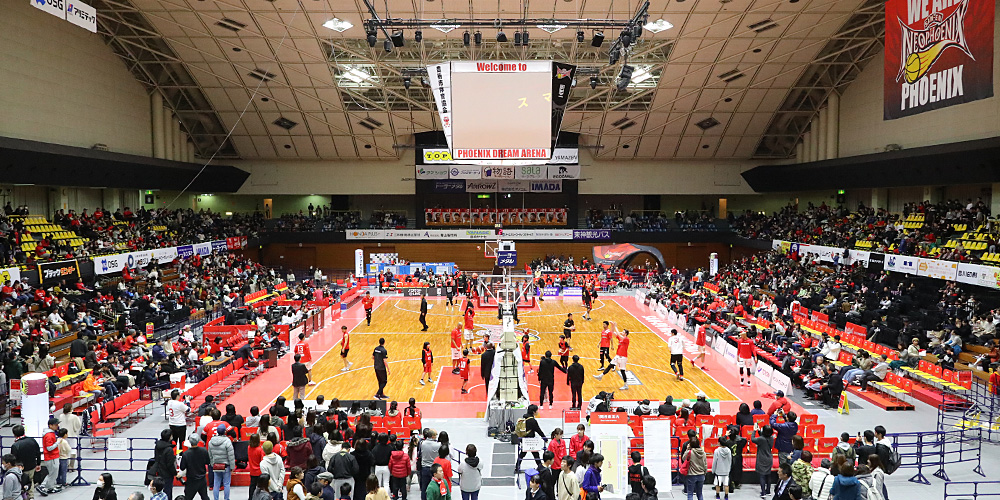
<point>79,480</point>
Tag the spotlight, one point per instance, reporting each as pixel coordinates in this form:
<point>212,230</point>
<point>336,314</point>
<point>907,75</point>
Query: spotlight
<point>626,38</point>
<point>593,82</point>
<point>406,82</point>
<point>418,36</point>
<point>636,32</point>
<point>397,38</point>
<point>624,77</point>
<point>613,56</point>
<point>517,38</point>
<point>465,38</point>
<point>387,45</point>
<point>501,36</point>
<point>372,38</point>
<point>524,37</point>
<point>598,39</point>
<point>477,37</point>
<point>579,36</point>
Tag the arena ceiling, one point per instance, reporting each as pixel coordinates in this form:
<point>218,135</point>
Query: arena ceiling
<point>761,69</point>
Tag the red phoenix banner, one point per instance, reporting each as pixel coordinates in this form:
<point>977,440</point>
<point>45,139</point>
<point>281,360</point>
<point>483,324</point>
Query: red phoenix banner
<point>938,53</point>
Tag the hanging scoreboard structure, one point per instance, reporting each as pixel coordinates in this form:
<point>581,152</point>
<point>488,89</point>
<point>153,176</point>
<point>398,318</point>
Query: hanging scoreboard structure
<point>501,112</point>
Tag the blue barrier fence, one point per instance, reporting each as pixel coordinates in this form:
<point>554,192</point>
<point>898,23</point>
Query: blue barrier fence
<point>972,490</point>
<point>935,449</point>
<point>981,410</point>
<point>97,455</point>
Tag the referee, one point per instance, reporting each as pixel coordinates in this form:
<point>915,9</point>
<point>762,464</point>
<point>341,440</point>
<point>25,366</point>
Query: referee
<point>379,355</point>
<point>423,311</point>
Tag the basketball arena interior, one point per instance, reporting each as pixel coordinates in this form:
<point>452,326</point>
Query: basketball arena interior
<point>390,249</point>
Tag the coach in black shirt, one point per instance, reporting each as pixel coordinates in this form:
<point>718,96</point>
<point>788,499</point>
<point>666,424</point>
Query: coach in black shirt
<point>300,378</point>
<point>486,370</point>
<point>575,378</point>
<point>547,377</point>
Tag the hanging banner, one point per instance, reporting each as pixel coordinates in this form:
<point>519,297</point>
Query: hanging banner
<point>51,273</point>
<point>901,264</point>
<point>562,84</point>
<point>462,172</point>
<point>530,172</point>
<point>11,274</point>
<point>514,186</point>
<point>81,15</point>
<point>440,81</point>
<point>203,248</point>
<point>975,274</point>
<point>501,172</point>
<point>937,54</point>
<point>442,156</point>
<point>476,186</point>
<point>546,186</point>
<point>940,269</point>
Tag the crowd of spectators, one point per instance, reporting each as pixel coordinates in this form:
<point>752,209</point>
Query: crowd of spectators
<point>886,231</point>
<point>387,219</point>
<point>320,220</point>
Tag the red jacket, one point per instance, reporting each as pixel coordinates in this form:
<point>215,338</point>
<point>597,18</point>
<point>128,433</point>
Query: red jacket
<point>399,464</point>
<point>254,456</point>
<point>558,448</point>
<point>50,446</point>
<point>576,444</point>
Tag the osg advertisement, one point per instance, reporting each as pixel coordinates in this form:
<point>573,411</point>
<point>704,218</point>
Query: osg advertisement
<point>938,53</point>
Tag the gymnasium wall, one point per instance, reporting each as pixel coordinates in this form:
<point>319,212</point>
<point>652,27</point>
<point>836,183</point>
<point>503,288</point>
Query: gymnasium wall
<point>297,177</point>
<point>469,256</point>
<point>61,84</point>
<point>862,130</point>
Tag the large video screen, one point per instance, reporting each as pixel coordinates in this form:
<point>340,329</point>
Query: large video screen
<point>501,111</point>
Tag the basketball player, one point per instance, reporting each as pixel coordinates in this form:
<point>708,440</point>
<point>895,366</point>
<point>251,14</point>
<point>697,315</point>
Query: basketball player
<point>449,293</point>
<point>621,358</point>
<point>587,305</point>
<point>470,315</point>
<point>564,350</point>
<point>423,311</point>
<point>569,326</point>
<point>456,347</point>
<point>676,344</point>
<point>699,340</point>
<point>302,349</point>
<point>367,301</point>
<point>345,347</point>
<point>745,357</point>
<point>605,344</point>
<point>427,360</point>
<point>526,354</point>
<point>463,369</point>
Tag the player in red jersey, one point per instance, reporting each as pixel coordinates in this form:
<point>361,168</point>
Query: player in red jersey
<point>427,359</point>
<point>302,349</point>
<point>606,344</point>
<point>745,357</point>
<point>368,301</point>
<point>526,353</point>
<point>564,349</point>
<point>345,347</point>
<point>621,358</point>
<point>699,340</point>
<point>470,315</point>
<point>463,369</point>
<point>456,347</point>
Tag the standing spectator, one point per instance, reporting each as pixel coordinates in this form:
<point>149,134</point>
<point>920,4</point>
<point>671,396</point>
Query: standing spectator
<point>535,490</point>
<point>722,464</point>
<point>592,477</point>
<point>255,454</point>
<point>300,378</point>
<point>486,362</point>
<point>260,486</point>
<point>845,486</point>
<point>50,450</point>
<point>470,473</point>
<point>343,466</point>
<point>382,453</point>
<point>274,468</point>
<point>649,489</point>
<point>557,445</point>
<point>568,487</point>
<point>11,489</point>
<point>802,471</point>
<point>785,431</point>
<point>195,462</point>
<point>156,488</point>
<point>533,430</point>
<point>164,465</point>
<point>399,470</point>
<point>106,488</point>
<point>785,481</point>
<point>546,378</point>
<point>375,492</point>
<point>546,476</point>
<point>177,412</point>
<point>438,488</point>
<point>636,472</point>
<point>427,451</point>
<point>697,467</point>
<point>878,475</point>
<point>296,491</point>
<point>365,463</point>
<point>65,452</point>
<point>844,449</point>
<point>765,459</point>
<point>577,441</point>
<point>821,481</point>
<point>223,457</point>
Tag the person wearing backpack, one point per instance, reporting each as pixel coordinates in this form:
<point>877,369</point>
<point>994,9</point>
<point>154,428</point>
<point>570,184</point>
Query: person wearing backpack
<point>636,472</point>
<point>878,475</point>
<point>527,426</point>
<point>844,449</point>
<point>11,478</point>
<point>866,485</point>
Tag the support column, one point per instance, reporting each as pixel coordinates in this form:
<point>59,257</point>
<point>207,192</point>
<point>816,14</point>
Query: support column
<point>800,151</point>
<point>190,150</point>
<point>995,199</point>
<point>833,126</point>
<point>821,134</point>
<point>807,147</point>
<point>814,141</point>
<point>168,135</point>
<point>176,134</point>
<point>183,147</point>
<point>156,105</point>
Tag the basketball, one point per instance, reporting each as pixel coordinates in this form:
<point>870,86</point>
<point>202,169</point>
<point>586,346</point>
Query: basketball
<point>912,69</point>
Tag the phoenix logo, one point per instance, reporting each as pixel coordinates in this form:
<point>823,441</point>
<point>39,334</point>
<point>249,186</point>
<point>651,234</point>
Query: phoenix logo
<point>922,48</point>
<point>562,73</point>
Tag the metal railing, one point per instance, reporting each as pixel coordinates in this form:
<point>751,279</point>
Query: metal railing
<point>971,490</point>
<point>113,454</point>
<point>922,450</point>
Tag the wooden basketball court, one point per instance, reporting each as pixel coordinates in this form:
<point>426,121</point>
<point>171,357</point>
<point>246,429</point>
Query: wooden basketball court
<point>396,319</point>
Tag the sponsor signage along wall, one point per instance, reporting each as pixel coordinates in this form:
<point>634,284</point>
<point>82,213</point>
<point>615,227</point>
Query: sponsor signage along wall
<point>465,172</point>
<point>450,186</point>
<point>591,234</point>
<point>514,186</point>
<point>81,14</point>
<point>530,172</point>
<point>51,273</point>
<point>546,186</point>
<point>481,186</point>
<point>11,274</point>
<point>937,54</point>
<point>940,269</point>
<point>975,274</point>
<point>564,171</point>
<point>55,7</point>
<point>432,171</point>
<point>901,264</point>
<point>469,234</point>
<point>498,172</point>
<point>442,156</point>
